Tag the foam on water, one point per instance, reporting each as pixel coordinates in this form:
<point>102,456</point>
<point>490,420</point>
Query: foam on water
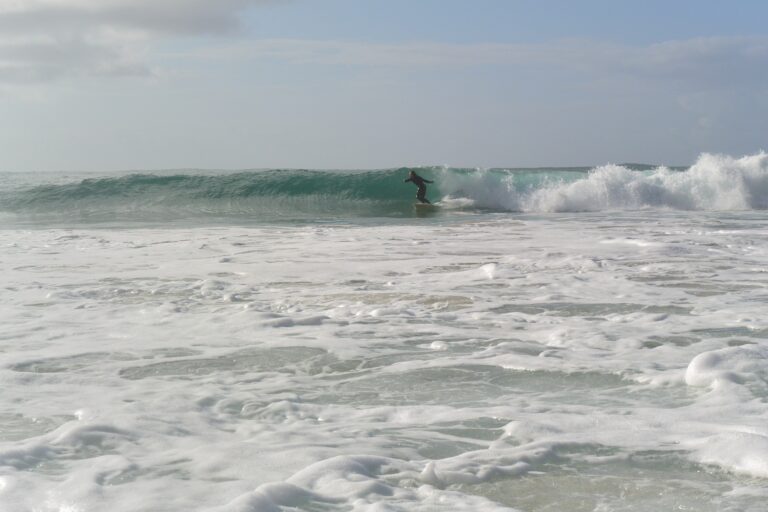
<point>714,182</point>
<point>531,362</point>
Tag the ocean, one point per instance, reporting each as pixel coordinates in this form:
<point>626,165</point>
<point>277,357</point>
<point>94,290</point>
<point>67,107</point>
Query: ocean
<point>550,339</point>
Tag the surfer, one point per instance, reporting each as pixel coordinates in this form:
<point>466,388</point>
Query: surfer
<point>421,183</point>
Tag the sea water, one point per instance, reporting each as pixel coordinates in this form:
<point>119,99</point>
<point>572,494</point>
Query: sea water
<point>545,340</point>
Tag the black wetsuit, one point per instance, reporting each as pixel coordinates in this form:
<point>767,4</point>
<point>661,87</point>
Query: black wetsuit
<point>421,183</point>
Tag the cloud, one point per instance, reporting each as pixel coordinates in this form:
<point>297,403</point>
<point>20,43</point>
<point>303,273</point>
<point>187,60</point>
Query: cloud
<point>42,40</point>
<point>722,59</point>
<point>47,59</point>
<point>191,17</point>
<point>45,40</point>
<point>714,60</point>
<point>716,55</point>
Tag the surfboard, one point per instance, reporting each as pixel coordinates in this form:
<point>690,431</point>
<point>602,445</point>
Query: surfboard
<point>422,209</point>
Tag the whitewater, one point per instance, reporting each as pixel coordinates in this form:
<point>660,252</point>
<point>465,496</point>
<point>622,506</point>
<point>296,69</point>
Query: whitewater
<point>580,339</point>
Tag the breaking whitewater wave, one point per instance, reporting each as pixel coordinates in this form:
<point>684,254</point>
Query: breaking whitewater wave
<point>714,182</point>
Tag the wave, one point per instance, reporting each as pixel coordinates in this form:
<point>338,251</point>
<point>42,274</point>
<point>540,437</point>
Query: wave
<point>267,194</point>
<point>714,182</point>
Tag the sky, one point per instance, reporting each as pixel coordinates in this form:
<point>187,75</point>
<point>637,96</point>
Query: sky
<point>101,85</point>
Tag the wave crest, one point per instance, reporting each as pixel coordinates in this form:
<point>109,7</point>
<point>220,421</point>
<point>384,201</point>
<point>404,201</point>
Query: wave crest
<point>714,182</point>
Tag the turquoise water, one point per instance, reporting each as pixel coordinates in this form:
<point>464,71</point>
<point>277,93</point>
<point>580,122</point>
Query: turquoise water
<point>245,196</point>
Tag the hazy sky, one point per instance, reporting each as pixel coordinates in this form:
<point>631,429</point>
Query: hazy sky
<point>224,84</point>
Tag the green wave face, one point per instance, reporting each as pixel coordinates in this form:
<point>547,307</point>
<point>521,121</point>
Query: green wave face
<point>255,195</point>
<point>364,184</point>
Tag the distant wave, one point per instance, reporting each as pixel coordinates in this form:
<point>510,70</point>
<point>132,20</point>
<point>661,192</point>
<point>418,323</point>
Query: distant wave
<point>714,182</point>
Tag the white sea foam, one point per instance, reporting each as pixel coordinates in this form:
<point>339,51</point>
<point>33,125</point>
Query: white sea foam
<point>508,362</point>
<point>714,182</point>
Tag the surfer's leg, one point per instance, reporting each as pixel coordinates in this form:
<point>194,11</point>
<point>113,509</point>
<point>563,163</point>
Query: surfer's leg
<point>420,196</point>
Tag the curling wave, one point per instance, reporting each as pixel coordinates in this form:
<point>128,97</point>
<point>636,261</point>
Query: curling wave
<point>714,182</point>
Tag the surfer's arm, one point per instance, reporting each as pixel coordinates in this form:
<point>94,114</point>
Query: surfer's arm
<point>406,180</point>
<point>429,181</point>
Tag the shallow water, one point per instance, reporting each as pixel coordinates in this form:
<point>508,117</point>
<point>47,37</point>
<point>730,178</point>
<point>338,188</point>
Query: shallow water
<point>612,360</point>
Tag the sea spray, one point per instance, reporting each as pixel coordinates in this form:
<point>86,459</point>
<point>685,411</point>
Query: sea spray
<point>713,183</point>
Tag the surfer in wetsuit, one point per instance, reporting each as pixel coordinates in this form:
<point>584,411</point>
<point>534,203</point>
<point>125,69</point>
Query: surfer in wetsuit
<point>421,183</point>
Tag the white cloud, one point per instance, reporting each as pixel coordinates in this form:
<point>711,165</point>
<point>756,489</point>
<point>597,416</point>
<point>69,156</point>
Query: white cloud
<point>42,40</point>
<point>714,59</point>
<point>147,16</point>
<point>726,59</point>
<point>708,60</point>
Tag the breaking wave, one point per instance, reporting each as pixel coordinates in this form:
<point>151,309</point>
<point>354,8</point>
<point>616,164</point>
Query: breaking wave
<point>714,182</point>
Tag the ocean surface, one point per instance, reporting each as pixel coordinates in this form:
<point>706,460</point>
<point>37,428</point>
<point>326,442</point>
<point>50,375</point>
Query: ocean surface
<point>570,339</point>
